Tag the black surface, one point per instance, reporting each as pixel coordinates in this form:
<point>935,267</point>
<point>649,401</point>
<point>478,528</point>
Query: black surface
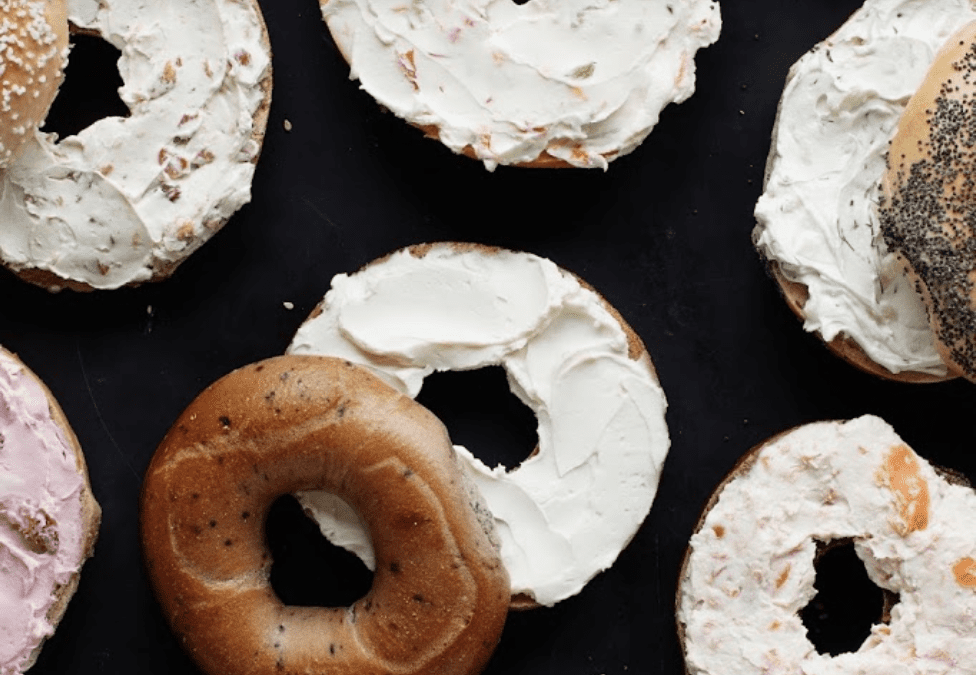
<point>664,235</point>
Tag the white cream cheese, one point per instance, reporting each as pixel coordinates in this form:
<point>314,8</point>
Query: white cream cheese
<point>565,513</point>
<point>127,199</point>
<point>584,80</point>
<point>817,216</point>
<point>751,565</point>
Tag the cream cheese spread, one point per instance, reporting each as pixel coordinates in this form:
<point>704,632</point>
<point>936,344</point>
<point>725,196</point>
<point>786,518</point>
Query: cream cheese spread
<point>583,80</point>
<point>127,199</point>
<point>751,570</point>
<point>567,511</point>
<point>817,217</point>
<point>41,525</point>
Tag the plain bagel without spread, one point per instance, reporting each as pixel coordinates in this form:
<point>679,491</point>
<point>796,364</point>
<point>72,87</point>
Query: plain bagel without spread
<point>440,593</point>
<point>927,215</point>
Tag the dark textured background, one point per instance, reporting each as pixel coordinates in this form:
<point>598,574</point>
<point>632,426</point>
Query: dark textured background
<point>664,235</point>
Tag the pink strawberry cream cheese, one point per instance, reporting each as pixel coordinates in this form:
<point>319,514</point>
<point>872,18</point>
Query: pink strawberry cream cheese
<point>42,517</point>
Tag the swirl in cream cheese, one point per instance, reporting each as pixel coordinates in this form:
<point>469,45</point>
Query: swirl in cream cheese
<point>583,80</point>
<point>817,217</point>
<point>565,513</point>
<point>127,199</point>
<point>751,570</point>
<point>41,524</point>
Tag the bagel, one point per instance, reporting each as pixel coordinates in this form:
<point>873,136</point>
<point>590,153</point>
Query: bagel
<point>127,199</point>
<point>48,515</point>
<point>929,197</point>
<point>750,565</point>
<point>440,595</point>
<point>565,513</point>
<point>545,83</point>
<point>818,226</point>
<point>34,40</point>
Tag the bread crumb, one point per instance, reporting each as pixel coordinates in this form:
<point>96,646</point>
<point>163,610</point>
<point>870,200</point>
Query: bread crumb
<point>287,125</point>
<point>288,305</point>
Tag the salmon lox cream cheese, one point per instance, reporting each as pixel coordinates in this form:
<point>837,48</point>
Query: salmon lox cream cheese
<point>750,567</point>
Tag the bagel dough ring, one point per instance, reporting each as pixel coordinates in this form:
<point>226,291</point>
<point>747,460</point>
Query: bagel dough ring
<point>34,41</point>
<point>49,518</point>
<point>567,511</point>
<point>817,221</point>
<point>440,595</point>
<point>126,200</point>
<point>750,566</point>
<point>545,83</point>
<point>927,211</point>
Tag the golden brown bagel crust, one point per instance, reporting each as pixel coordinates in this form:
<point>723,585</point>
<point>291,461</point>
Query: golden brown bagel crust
<point>34,40</point>
<point>929,207</point>
<point>440,594</point>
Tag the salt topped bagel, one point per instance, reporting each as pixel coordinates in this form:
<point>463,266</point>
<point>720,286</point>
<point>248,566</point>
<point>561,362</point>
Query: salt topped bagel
<point>544,83</point>
<point>817,220</point>
<point>33,49</point>
<point>750,565</point>
<point>126,200</point>
<point>440,596</point>
<point>566,512</point>
<point>48,516</point>
<point>929,198</point>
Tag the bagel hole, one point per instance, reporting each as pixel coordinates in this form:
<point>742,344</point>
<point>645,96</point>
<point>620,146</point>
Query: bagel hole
<point>90,90</point>
<point>482,414</point>
<point>840,616</point>
<point>307,570</point>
